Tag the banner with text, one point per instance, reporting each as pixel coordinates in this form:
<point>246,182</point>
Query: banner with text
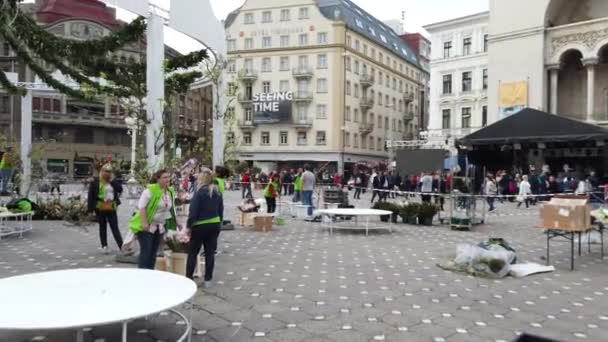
<point>272,107</point>
<point>512,98</point>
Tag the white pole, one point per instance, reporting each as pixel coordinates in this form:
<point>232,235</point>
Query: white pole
<point>219,95</point>
<point>133,151</point>
<point>155,82</point>
<point>26,142</point>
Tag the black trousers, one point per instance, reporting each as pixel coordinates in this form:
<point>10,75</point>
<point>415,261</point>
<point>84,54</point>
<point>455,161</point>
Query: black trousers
<point>148,248</point>
<point>285,189</point>
<point>376,193</point>
<point>357,192</point>
<point>271,204</point>
<point>105,218</point>
<point>203,236</point>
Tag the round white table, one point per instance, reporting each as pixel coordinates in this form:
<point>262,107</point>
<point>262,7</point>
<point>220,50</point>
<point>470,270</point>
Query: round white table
<point>79,298</point>
<point>354,213</point>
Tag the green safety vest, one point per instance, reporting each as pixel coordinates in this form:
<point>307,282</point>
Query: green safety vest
<point>267,189</point>
<point>135,222</point>
<point>5,163</point>
<point>208,221</point>
<point>102,194</point>
<point>297,183</point>
<point>221,184</point>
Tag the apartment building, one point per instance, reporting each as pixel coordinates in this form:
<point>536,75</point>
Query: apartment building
<point>321,82</point>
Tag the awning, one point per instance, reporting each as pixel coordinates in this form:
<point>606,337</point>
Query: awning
<point>534,126</point>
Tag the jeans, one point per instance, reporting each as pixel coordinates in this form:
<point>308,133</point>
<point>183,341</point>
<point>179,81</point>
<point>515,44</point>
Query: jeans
<point>297,197</point>
<point>105,218</point>
<point>307,200</point>
<point>246,190</point>
<point>148,247</point>
<point>357,191</point>
<point>286,189</point>
<point>490,201</point>
<point>5,178</point>
<point>205,236</point>
<point>271,204</point>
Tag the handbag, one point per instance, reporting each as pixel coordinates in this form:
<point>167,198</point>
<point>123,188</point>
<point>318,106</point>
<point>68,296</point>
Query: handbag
<point>106,206</point>
<point>519,198</point>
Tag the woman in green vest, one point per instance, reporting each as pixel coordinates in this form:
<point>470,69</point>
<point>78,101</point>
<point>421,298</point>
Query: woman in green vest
<point>155,215</point>
<point>297,186</point>
<point>221,173</point>
<point>6,170</point>
<point>204,221</point>
<point>271,192</point>
<point>104,199</point>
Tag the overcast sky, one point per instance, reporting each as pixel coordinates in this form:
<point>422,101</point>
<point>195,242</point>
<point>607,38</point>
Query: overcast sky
<point>417,14</point>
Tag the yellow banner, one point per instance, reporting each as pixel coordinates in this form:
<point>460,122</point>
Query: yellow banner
<point>513,94</point>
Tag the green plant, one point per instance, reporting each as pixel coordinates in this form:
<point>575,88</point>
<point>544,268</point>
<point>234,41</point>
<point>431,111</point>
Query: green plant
<point>427,211</point>
<point>177,242</point>
<point>409,210</point>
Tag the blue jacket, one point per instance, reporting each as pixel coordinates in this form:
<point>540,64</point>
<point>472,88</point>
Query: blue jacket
<point>205,207</point>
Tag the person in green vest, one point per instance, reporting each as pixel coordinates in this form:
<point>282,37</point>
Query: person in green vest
<point>204,221</point>
<point>221,173</point>
<point>154,217</point>
<point>103,199</point>
<point>297,186</point>
<point>6,170</point>
<point>271,192</point>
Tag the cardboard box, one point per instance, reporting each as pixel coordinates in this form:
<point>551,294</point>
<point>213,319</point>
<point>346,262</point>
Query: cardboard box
<point>263,222</point>
<point>245,219</point>
<point>566,214</point>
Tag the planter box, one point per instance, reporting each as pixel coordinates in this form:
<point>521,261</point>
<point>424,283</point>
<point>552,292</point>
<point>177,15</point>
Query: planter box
<point>162,264</point>
<point>427,221</point>
<point>177,264</point>
<point>410,220</point>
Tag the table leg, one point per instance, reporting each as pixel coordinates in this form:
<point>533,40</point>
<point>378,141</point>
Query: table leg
<point>366,225</point>
<point>602,238</point>
<point>548,245</point>
<point>191,327</point>
<point>572,251</point>
<point>79,335</point>
<point>580,234</point>
<point>124,331</point>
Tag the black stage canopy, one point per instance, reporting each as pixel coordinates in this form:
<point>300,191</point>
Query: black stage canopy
<point>533,126</point>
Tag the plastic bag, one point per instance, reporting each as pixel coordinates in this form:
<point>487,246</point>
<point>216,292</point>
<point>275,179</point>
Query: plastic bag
<point>493,262</point>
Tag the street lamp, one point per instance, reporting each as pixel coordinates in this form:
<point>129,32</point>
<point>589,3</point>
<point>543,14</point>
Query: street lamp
<point>132,126</point>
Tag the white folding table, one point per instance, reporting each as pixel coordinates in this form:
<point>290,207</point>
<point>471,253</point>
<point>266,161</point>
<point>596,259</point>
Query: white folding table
<point>81,298</point>
<point>332,222</point>
<point>15,223</point>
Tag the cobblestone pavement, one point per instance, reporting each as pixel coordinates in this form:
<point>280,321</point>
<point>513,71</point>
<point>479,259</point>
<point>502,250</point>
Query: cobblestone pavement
<point>298,283</point>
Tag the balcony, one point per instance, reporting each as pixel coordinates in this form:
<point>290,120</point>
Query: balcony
<point>83,119</point>
<point>366,128</point>
<point>248,75</point>
<point>366,103</point>
<point>408,115</point>
<point>302,124</point>
<point>302,96</point>
<point>247,124</point>
<point>408,97</point>
<point>302,72</point>
<point>366,80</point>
<point>244,99</point>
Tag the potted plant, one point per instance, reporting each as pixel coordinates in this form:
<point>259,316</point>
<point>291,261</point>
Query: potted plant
<point>426,212</point>
<point>177,243</point>
<point>409,213</point>
<point>384,206</point>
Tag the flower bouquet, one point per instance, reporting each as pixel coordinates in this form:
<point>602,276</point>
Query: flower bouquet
<point>178,243</point>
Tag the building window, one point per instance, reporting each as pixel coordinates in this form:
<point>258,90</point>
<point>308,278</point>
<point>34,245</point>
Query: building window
<point>6,49</point>
<point>446,119</point>
<point>380,121</point>
<point>347,114</point>
<point>380,99</point>
<point>83,135</point>
<point>356,140</point>
<point>485,43</point>
<point>322,85</point>
<point>347,139</point>
<point>379,144</point>
<point>35,103</point>
<point>357,45</point>
<point>266,42</point>
<point>302,138</point>
<point>267,17</point>
<point>266,87</point>
<point>322,61</point>
<point>321,111</point>
<point>356,115</point>
<point>266,64</point>
<point>303,13</point>
<point>348,41</point>
<point>466,117</point>
<point>356,90</point>
<point>321,138</point>
<point>386,127</point>
<point>249,18</point>
<point>247,138</point>
<point>356,67</point>
<point>248,43</point>
<point>285,15</point>
<point>5,104</point>
<point>485,79</point>
<point>348,91</point>
<point>284,41</point>
<point>347,62</point>
<point>447,84</point>
<point>447,49</point>
<point>248,114</point>
<point>466,46</point>
<point>46,104</point>
<point>231,44</point>
<point>230,137</point>
<point>284,63</point>
<point>466,81</point>
<point>371,142</point>
<point>484,116</point>
<point>303,39</point>
<point>232,66</point>
<point>283,86</point>
<point>322,38</point>
<point>283,138</point>
<point>265,138</point>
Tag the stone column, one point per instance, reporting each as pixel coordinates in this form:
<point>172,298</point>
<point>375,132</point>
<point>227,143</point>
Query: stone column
<point>554,75</point>
<point>26,142</point>
<point>590,65</point>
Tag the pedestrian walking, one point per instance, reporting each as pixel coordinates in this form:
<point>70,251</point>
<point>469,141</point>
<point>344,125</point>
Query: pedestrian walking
<point>297,186</point>
<point>204,224</point>
<point>246,184</point>
<point>491,191</point>
<point>103,199</point>
<point>524,192</point>
<point>308,186</point>
<point>155,215</point>
<point>358,185</point>
<point>426,187</point>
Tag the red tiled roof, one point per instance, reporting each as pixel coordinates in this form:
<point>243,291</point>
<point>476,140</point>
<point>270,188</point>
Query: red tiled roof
<point>51,11</point>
